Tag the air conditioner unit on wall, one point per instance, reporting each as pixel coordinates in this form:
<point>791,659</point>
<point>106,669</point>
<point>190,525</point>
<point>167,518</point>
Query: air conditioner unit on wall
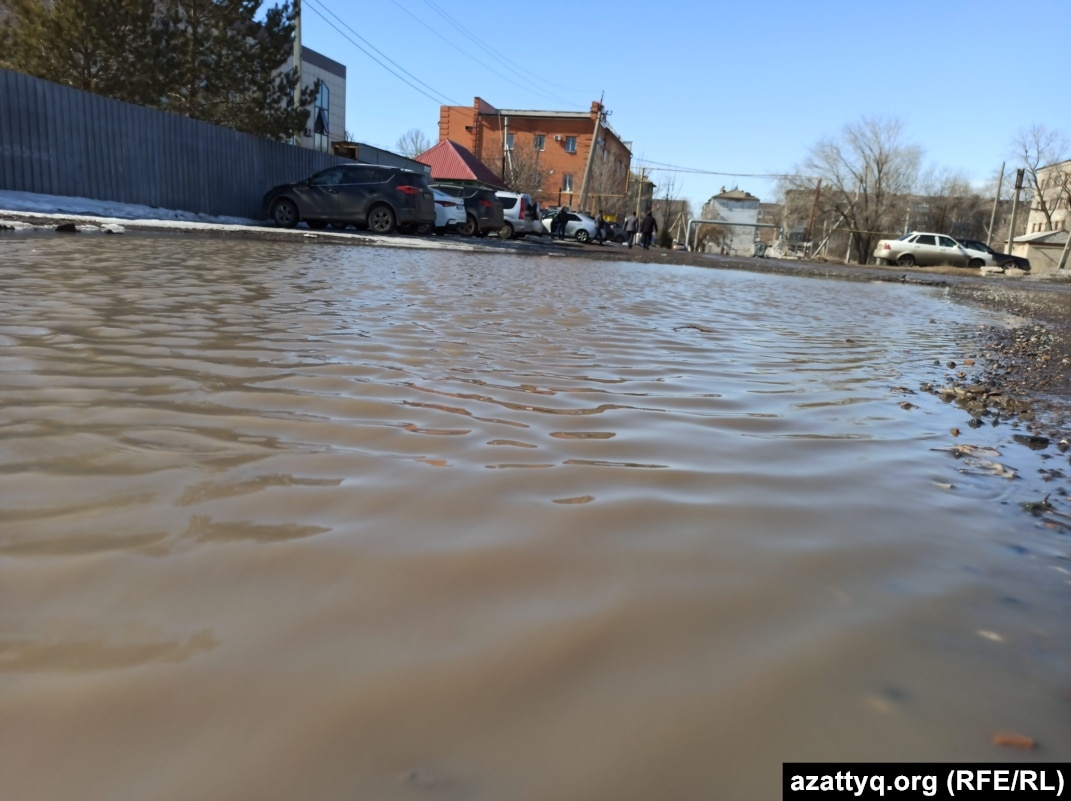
<point>557,138</point>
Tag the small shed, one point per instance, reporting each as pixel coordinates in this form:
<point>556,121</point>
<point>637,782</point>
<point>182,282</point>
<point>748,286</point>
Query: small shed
<point>1044,250</point>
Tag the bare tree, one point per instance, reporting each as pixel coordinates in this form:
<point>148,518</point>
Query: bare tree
<point>522,172</point>
<point>948,204</point>
<point>609,185</point>
<point>412,143</point>
<point>866,173</point>
<point>1035,148</point>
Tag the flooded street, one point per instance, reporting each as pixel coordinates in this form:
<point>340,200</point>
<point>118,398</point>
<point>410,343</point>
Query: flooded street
<point>285,521</point>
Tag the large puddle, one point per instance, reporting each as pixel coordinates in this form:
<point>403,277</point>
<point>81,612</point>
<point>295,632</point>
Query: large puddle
<point>286,521</point>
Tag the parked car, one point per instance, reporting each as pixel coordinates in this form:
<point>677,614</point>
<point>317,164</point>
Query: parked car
<point>483,212</point>
<point>1003,260</point>
<point>371,196</point>
<point>927,249</point>
<point>578,225</point>
<point>449,213</point>
<point>518,214</point>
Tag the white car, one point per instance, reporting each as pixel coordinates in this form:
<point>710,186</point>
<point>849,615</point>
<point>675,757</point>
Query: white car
<point>578,225</point>
<point>449,213</point>
<point>926,249</point>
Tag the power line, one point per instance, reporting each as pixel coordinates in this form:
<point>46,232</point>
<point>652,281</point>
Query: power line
<point>700,171</point>
<point>516,69</point>
<point>441,99</point>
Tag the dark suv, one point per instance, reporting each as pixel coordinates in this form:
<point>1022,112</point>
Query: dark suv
<point>483,212</point>
<point>370,196</point>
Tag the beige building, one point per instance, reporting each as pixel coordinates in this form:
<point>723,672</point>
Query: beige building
<point>1048,227</point>
<point>1050,211</point>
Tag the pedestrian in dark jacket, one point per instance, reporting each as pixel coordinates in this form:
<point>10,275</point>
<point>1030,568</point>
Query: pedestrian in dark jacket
<point>600,228</point>
<point>560,221</point>
<point>648,228</point>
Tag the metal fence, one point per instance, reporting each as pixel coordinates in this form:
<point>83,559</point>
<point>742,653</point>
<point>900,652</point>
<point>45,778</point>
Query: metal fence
<point>60,141</point>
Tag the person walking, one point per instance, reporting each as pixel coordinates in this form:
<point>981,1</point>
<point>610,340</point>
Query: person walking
<point>648,228</point>
<point>560,221</point>
<point>631,224</point>
<point>600,228</point>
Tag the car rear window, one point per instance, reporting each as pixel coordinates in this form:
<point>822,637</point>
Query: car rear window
<point>925,239</point>
<point>507,202</point>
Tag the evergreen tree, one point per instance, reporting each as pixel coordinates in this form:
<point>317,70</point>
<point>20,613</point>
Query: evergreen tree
<point>207,59</point>
<point>100,46</point>
<point>224,66</point>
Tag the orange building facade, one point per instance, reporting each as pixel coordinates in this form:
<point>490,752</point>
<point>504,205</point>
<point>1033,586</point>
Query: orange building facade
<point>546,153</point>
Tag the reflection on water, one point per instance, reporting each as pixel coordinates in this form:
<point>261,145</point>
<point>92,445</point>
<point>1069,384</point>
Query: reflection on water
<point>328,522</point>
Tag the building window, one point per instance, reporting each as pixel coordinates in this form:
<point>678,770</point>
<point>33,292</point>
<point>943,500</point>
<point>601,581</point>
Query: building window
<point>570,144</point>
<point>509,141</point>
<point>539,142</point>
<point>567,183</point>
<point>321,133</point>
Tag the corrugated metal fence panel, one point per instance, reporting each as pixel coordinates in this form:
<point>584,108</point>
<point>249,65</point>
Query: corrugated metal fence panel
<point>56,140</point>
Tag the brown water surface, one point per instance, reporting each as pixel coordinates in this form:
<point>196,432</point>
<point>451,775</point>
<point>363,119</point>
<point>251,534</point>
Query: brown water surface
<point>317,522</point>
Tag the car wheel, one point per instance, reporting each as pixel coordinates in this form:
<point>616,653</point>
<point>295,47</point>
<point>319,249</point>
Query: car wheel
<point>285,213</point>
<point>469,227</point>
<point>423,229</point>
<point>582,236</point>
<point>506,231</point>
<point>907,260</point>
<point>317,224</point>
<point>975,264</point>
<point>381,220</point>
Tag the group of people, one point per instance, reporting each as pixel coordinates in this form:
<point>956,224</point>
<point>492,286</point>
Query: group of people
<point>647,227</point>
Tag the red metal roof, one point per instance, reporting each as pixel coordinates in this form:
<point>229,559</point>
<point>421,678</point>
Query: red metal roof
<point>450,161</point>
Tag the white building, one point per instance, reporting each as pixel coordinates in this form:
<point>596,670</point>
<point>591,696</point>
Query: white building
<point>739,211</point>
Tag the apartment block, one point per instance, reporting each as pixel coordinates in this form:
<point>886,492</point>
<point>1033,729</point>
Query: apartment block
<point>546,153</point>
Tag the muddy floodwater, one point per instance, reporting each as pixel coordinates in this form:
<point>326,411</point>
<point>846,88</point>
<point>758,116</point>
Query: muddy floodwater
<point>302,521</point>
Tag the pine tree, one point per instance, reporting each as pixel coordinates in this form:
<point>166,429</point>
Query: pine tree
<point>207,59</point>
<point>224,66</point>
<point>101,47</point>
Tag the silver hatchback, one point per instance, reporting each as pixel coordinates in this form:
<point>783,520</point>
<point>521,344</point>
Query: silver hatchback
<point>520,215</point>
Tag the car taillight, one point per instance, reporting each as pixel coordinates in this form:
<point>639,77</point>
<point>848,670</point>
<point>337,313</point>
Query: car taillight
<point>486,203</point>
<point>410,190</point>
<point>887,246</point>
<point>521,214</point>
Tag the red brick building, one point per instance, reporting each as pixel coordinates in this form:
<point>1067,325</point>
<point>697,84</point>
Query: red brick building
<point>546,153</point>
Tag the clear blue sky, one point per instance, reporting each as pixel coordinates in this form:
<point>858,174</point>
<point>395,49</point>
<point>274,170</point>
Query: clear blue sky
<point>741,88</point>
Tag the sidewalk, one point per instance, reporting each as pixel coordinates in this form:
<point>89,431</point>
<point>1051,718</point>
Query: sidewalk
<point>26,211</point>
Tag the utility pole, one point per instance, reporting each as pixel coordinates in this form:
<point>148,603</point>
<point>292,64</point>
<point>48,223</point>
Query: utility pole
<point>591,155</point>
<point>506,160</point>
<point>297,54</point>
<point>808,235</point>
<point>1015,208</point>
<point>996,200</point>
<point>639,189</point>
<point>1063,256</point>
